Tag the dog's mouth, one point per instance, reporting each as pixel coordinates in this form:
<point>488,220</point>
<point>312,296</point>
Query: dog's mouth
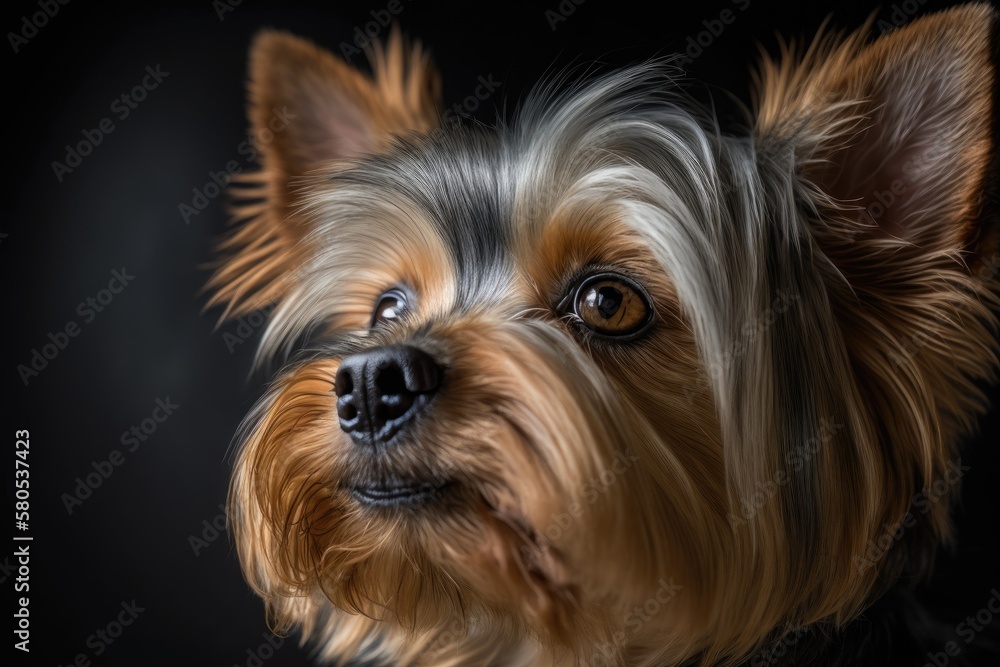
<point>398,492</point>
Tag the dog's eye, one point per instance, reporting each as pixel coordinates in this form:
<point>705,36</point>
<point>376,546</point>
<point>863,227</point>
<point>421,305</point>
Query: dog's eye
<point>390,307</point>
<point>612,305</point>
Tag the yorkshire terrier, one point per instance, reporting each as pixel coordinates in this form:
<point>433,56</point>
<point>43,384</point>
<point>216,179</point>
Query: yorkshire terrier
<point>605,385</point>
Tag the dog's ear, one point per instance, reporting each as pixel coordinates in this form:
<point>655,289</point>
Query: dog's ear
<point>889,148</point>
<point>899,132</point>
<point>337,111</point>
<point>309,111</point>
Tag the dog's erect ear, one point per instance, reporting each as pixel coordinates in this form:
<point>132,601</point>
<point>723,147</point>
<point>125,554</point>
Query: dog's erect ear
<point>309,110</point>
<point>899,131</point>
<point>338,111</point>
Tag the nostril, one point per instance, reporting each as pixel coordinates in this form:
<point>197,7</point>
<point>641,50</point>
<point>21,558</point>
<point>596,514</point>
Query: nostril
<point>423,373</point>
<point>343,383</point>
<point>390,381</point>
<point>346,411</point>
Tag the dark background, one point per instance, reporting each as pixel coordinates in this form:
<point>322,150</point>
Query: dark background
<point>131,538</point>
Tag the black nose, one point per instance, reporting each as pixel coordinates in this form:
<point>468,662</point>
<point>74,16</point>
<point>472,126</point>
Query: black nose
<point>380,391</point>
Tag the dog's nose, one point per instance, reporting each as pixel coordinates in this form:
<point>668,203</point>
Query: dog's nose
<point>380,391</point>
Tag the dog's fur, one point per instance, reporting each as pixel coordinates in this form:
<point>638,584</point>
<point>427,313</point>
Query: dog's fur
<point>721,485</point>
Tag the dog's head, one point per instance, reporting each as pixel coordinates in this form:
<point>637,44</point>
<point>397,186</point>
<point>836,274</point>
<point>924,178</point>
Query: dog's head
<point>605,381</point>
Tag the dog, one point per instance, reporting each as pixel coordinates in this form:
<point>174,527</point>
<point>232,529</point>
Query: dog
<point>604,385</point>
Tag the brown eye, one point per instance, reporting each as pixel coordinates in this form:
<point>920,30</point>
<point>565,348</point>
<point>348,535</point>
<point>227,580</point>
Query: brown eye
<point>390,307</point>
<point>612,305</point>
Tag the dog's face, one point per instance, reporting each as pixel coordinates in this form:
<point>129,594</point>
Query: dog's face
<point>604,382</point>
